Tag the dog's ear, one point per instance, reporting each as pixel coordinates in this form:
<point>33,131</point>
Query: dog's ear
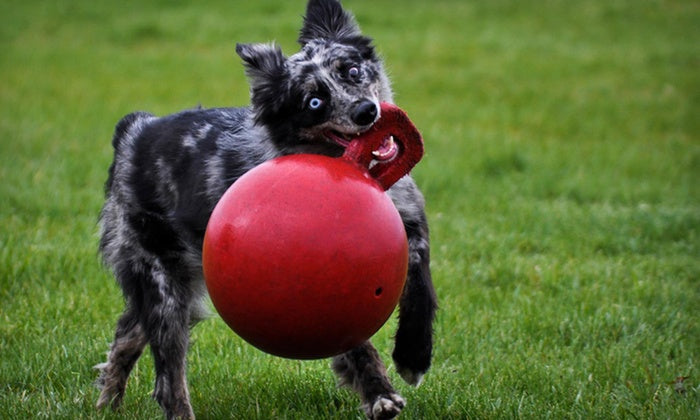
<point>262,61</point>
<point>268,74</point>
<point>326,19</point>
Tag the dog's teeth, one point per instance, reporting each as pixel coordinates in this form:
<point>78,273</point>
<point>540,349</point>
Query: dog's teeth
<point>386,149</point>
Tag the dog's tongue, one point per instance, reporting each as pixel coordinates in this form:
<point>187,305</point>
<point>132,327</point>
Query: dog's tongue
<point>393,144</point>
<point>387,151</point>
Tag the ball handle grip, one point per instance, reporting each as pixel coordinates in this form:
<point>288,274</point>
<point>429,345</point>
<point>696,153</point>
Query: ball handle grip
<point>393,123</point>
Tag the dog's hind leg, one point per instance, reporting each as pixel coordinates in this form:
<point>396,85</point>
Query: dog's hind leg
<point>129,342</point>
<point>166,321</point>
<point>414,336</point>
<point>363,370</point>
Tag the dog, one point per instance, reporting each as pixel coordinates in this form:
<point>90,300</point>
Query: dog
<point>169,172</point>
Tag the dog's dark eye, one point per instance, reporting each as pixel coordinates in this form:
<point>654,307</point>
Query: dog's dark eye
<point>315,103</point>
<point>354,73</point>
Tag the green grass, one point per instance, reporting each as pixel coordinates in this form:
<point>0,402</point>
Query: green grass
<point>562,178</point>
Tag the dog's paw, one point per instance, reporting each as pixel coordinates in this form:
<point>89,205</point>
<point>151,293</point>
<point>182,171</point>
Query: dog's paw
<point>412,377</point>
<point>385,407</point>
<point>412,362</point>
<point>109,397</point>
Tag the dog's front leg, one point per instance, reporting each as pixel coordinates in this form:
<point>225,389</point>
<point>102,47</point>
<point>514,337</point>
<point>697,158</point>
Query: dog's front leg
<point>363,370</point>
<point>414,337</point>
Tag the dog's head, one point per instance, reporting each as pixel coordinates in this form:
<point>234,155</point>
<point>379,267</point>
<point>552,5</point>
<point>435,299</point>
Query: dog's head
<point>318,98</point>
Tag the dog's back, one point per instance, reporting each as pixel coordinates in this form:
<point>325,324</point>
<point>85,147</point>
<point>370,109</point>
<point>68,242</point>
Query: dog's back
<point>169,172</point>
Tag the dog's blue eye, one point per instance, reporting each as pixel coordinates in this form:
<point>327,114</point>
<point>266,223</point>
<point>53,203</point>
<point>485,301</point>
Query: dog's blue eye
<point>315,103</point>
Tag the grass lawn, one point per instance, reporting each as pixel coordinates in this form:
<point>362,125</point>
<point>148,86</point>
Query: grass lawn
<point>562,178</point>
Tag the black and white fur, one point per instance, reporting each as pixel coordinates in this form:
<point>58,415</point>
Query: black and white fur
<point>169,172</point>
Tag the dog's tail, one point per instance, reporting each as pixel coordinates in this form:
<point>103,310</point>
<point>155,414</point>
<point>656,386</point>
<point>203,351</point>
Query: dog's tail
<point>125,133</point>
<point>129,127</point>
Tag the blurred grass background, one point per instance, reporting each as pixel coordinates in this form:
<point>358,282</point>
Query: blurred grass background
<point>562,181</point>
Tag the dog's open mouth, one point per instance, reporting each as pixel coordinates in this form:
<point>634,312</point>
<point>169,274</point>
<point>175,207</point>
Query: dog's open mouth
<point>386,151</point>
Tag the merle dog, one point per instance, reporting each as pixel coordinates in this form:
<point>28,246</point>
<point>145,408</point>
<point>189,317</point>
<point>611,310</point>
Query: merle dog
<point>168,173</point>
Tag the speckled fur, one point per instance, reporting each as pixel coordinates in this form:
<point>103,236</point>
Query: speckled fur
<point>169,172</point>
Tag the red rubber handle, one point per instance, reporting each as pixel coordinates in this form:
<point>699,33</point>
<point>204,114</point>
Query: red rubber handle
<point>392,123</point>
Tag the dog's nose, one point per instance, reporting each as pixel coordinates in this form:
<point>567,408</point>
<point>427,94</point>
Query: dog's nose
<point>365,112</point>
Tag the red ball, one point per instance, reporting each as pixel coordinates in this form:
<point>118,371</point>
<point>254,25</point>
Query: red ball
<point>305,256</point>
